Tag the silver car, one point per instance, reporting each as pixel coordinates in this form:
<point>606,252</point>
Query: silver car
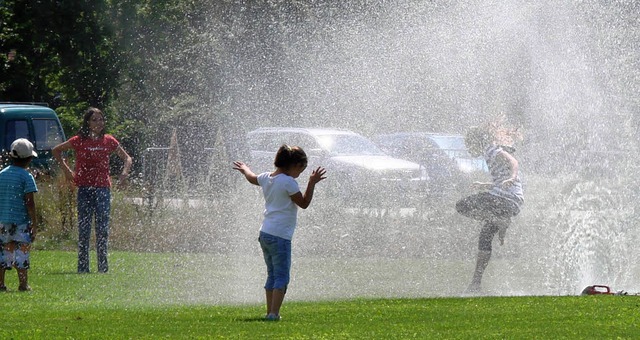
<point>358,172</point>
<point>444,156</point>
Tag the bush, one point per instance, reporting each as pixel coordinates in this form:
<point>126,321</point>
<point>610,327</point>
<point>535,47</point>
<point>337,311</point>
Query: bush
<point>139,223</point>
<point>56,213</point>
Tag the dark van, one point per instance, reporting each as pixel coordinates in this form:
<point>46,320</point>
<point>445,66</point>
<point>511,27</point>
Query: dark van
<point>37,123</point>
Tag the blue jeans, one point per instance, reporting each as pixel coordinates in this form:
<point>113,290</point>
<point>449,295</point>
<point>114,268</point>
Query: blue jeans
<point>93,203</point>
<point>277,257</point>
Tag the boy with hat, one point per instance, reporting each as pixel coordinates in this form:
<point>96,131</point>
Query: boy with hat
<point>17,213</point>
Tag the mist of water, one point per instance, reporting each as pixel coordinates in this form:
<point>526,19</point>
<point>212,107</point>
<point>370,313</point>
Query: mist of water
<point>566,72</point>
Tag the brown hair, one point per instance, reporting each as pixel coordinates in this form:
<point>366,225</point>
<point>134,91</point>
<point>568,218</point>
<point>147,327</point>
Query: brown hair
<point>288,156</point>
<point>496,131</point>
<point>84,131</point>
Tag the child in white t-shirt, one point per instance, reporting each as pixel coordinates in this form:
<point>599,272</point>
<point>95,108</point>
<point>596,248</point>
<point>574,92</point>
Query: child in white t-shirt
<point>282,199</point>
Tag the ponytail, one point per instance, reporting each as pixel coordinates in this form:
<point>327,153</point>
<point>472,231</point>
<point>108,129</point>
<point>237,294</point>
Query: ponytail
<point>288,156</point>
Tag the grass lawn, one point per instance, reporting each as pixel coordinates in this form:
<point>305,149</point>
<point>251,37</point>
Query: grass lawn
<point>152,296</point>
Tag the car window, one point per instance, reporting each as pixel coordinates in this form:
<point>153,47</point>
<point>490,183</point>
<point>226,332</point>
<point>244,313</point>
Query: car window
<point>348,145</point>
<point>423,143</point>
<point>453,145</point>
<point>449,142</point>
<point>388,141</point>
<point>15,129</point>
<point>47,133</point>
<point>269,142</point>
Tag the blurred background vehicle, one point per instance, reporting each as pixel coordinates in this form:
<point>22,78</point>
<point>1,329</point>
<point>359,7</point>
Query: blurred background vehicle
<point>358,172</point>
<point>37,123</point>
<point>444,157</point>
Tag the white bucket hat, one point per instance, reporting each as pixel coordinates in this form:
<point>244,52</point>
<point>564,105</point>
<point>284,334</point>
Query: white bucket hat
<point>22,148</point>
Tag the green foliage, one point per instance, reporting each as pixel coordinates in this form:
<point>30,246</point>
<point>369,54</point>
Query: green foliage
<point>154,66</point>
<point>135,300</point>
<point>157,225</point>
<point>64,52</point>
<point>56,213</point>
<point>71,117</point>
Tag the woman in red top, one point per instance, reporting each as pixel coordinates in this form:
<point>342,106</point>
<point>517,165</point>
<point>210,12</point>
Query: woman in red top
<point>93,148</point>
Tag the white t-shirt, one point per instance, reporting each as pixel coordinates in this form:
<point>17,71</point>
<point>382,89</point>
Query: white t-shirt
<point>280,213</point>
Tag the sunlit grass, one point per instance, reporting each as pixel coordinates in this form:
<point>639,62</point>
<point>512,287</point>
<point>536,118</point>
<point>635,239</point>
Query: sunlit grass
<point>134,301</point>
<point>179,291</point>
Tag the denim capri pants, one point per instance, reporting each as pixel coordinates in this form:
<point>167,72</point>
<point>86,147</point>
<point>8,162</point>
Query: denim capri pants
<point>277,256</point>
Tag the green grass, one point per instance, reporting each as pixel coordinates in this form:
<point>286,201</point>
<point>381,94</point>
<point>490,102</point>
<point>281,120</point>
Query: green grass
<point>149,295</point>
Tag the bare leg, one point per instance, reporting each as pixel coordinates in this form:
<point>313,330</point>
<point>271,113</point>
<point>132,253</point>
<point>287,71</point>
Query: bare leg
<point>23,279</point>
<point>7,252</point>
<point>269,294</point>
<point>276,302</point>
<point>2,286</point>
<point>481,264</point>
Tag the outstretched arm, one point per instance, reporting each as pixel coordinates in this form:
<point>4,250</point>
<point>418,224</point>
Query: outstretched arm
<point>303,201</point>
<point>246,171</point>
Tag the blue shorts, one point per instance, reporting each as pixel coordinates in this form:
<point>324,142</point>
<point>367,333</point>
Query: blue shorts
<point>11,232</point>
<point>277,256</point>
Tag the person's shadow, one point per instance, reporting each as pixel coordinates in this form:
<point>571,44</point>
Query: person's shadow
<point>253,319</point>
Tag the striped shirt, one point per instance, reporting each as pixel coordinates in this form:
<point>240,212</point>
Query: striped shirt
<point>15,183</point>
<point>501,171</point>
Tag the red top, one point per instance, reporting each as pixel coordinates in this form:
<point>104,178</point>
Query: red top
<point>92,160</point>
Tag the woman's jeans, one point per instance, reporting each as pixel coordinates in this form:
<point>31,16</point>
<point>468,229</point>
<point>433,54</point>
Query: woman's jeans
<point>93,203</point>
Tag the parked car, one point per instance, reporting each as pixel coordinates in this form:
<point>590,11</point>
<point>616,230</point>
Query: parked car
<point>444,156</point>
<point>37,123</point>
<point>358,172</point>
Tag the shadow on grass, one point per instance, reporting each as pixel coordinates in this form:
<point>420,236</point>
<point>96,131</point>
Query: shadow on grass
<point>253,319</point>
<point>67,273</point>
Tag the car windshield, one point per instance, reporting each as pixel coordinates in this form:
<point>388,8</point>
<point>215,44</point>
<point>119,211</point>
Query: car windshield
<point>348,145</point>
<point>48,133</point>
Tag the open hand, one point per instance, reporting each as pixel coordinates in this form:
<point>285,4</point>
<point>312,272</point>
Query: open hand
<point>317,175</point>
<point>480,185</point>
<point>507,182</point>
<point>240,166</point>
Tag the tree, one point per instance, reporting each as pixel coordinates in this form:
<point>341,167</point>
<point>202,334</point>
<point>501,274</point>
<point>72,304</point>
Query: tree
<point>63,54</point>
